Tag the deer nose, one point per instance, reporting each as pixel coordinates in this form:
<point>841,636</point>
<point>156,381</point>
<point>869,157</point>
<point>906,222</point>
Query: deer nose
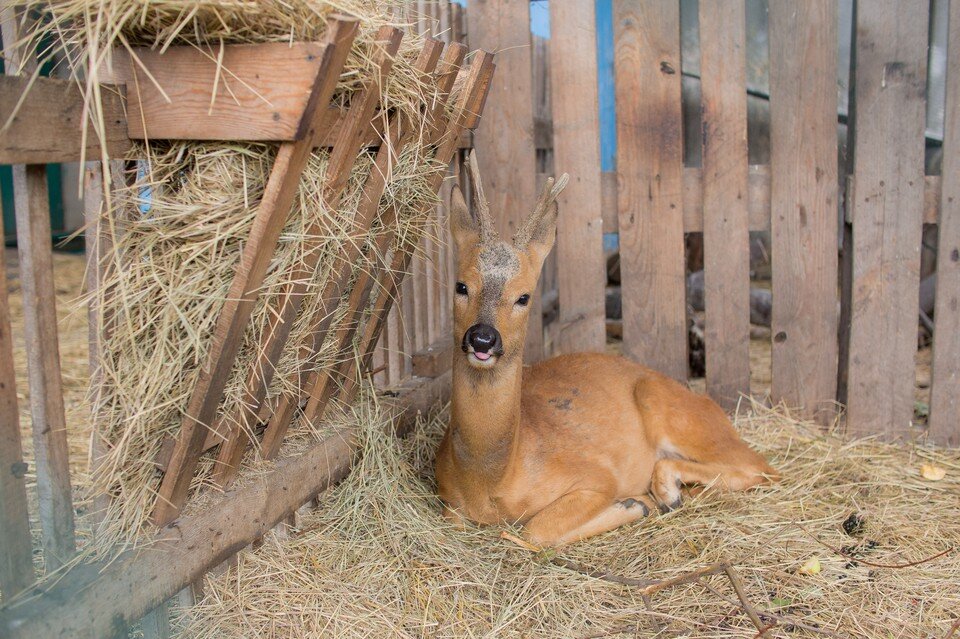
<point>483,338</point>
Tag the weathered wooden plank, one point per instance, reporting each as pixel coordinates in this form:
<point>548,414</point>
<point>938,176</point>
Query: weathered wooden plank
<point>48,423</point>
<point>945,391</point>
<point>45,122</point>
<point>101,599</point>
<point>803,141</point>
<point>505,146</point>
<point>43,363</point>
<point>650,183</point>
<point>254,92</point>
<point>366,214</point>
<point>278,196</point>
<point>891,64</point>
<point>16,560</point>
<point>337,175</point>
<point>726,238</point>
<point>433,361</point>
<point>576,150</point>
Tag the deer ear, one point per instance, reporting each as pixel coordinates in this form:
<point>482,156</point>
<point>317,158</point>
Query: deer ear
<point>465,230</point>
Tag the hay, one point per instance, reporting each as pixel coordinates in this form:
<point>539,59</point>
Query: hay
<point>179,226</point>
<point>377,560</point>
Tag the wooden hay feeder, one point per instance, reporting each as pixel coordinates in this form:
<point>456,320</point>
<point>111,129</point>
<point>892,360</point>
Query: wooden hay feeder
<point>285,97</point>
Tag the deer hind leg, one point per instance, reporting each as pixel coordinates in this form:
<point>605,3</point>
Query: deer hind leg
<point>669,475</point>
<point>583,514</point>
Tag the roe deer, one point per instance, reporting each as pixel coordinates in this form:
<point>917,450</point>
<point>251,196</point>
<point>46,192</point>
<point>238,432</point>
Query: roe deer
<point>570,447</point>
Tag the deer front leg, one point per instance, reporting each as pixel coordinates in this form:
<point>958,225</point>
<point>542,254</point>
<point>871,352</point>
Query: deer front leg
<point>583,514</point>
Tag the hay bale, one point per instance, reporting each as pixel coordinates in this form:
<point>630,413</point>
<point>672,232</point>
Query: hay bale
<point>179,228</point>
<point>376,559</point>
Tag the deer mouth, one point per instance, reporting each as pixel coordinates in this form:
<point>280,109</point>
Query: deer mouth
<point>480,359</point>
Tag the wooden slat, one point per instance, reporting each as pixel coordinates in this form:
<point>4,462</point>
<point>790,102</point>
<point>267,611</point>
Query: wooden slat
<point>274,339</point>
<point>321,387</point>
<point>576,147</point>
<point>366,214</point>
<point>45,122</point>
<point>277,199</point>
<point>945,392</point>
<point>726,239</point>
<point>48,422</point>
<point>505,147</point>
<point>432,361</point>
<point>16,560</point>
<point>891,45</point>
<point>100,599</point>
<point>650,183</point>
<point>803,140</point>
<point>468,111</point>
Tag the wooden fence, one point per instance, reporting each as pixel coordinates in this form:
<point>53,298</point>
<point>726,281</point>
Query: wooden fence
<point>844,323</point>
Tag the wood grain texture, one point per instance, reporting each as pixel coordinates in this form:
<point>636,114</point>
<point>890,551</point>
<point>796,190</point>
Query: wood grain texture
<point>504,144</point>
<point>945,392</point>
<point>277,199</point>
<point>803,105</point>
<point>261,91</point>
<point>338,171</point>
<point>16,560</point>
<point>49,425</point>
<point>726,238</point>
<point>650,183</point>
<point>576,148</point>
<point>46,122</point>
<point>891,63</point>
<point>101,599</point>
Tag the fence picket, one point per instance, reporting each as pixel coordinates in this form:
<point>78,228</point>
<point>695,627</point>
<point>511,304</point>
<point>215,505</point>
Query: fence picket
<point>803,147</point>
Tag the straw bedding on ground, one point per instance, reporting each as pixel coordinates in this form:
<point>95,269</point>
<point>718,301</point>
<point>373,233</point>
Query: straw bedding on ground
<point>179,225</point>
<point>376,559</point>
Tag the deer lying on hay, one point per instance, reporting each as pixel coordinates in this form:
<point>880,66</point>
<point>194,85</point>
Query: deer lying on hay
<point>572,446</point>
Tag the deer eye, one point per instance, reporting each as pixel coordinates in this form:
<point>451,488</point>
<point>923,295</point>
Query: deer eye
<point>523,299</point>
<point>461,288</point>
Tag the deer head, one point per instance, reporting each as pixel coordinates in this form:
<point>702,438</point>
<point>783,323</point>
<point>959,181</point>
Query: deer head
<point>495,279</point>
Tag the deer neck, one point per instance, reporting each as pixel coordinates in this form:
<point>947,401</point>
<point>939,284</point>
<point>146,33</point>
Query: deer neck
<point>485,416</point>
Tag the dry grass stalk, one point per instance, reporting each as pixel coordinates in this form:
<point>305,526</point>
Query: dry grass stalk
<point>378,560</point>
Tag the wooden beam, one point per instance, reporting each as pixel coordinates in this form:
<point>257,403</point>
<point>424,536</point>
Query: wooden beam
<point>803,136</point>
<point>41,122</point>
<point>945,391</point>
<point>891,59</point>
<point>582,272</point>
<point>48,422</point>
<point>277,199</point>
<point>16,560</point>
<point>274,339</point>
<point>504,146</point>
<point>650,184</point>
<point>726,238</point>
<point>101,599</point>
<point>434,360</point>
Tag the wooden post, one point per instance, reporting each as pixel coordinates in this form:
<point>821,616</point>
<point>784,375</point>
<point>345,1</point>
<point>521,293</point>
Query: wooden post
<point>650,183</point>
<point>945,393</point>
<point>504,144</point>
<point>887,215</point>
<point>576,146</point>
<point>803,147</point>
<point>16,560</point>
<point>49,427</point>
<point>726,238</point>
